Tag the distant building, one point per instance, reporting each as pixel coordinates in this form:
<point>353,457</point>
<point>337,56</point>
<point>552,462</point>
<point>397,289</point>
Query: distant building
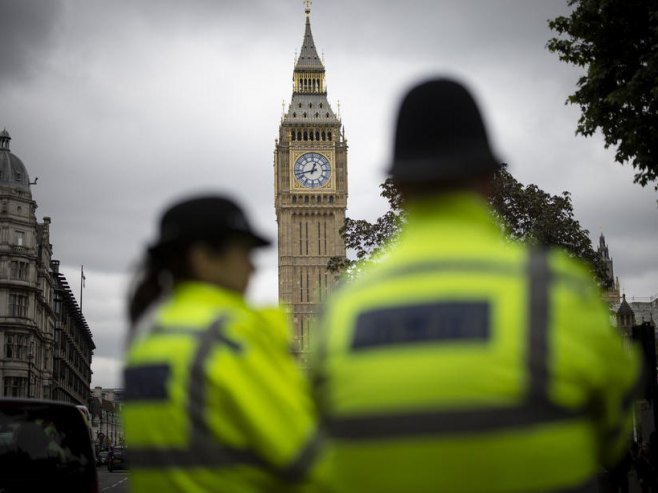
<point>625,317</point>
<point>45,344</point>
<point>611,294</point>
<point>105,408</point>
<point>645,309</point>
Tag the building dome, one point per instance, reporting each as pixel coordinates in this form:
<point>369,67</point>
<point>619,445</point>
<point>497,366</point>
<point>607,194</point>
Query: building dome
<point>12,170</point>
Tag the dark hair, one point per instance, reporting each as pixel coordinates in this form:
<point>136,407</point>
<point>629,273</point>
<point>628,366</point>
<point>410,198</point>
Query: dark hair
<point>160,269</point>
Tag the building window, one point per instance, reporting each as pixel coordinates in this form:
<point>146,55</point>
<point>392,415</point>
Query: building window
<point>20,238</point>
<point>18,270</point>
<point>16,346</point>
<point>17,305</point>
<point>15,387</point>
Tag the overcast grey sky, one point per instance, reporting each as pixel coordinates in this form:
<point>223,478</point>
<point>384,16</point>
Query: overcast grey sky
<point>120,107</point>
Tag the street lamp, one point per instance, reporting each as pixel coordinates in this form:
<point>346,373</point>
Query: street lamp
<point>30,357</point>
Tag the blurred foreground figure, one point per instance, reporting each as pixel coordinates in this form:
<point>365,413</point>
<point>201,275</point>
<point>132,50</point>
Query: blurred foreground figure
<point>213,399</point>
<point>462,362</point>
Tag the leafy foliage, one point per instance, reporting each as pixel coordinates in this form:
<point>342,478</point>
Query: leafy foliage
<point>527,213</point>
<point>616,42</point>
<point>532,215</point>
<point>366,239</point>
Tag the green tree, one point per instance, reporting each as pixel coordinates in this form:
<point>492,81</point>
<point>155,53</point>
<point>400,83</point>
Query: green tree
<point>366,239</point>
<point>527,213</point>
<point>616,42</point>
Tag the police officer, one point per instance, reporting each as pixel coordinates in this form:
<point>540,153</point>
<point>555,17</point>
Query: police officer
<point>463,362</point>
<point>213,399</point>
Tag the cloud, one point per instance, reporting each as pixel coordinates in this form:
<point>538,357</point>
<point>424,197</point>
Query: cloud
<point>122,107</point>
<point>27,28</point>
<point>107,372</point>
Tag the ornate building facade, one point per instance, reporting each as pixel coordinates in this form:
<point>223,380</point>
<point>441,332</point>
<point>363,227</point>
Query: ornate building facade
<point>45,343</point>
<point>611,294</point>
<point>310,189</point>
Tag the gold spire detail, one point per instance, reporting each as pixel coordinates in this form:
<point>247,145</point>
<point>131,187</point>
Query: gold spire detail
<point>307,4</point>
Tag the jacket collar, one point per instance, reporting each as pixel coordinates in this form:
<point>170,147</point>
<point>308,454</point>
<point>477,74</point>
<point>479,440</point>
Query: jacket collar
<point>452,209</point>
<point>205,293</point>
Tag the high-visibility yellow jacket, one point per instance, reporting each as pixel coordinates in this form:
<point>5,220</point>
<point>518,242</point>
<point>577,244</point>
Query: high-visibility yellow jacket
<point>462,362</point>
<point>213,399</point>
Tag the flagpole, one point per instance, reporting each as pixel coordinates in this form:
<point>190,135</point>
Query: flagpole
<point>82,283</point>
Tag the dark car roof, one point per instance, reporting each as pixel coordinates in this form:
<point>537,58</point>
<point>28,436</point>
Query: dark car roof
<point>44,445</point>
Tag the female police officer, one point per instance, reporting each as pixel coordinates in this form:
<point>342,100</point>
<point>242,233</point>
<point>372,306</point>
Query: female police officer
<point>213,399</point>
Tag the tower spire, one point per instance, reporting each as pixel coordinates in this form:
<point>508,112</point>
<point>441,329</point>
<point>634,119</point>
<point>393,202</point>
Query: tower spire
<point>308,57</point>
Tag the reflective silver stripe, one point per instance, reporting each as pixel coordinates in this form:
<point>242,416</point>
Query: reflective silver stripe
<point>198,455</point>
<point>198,380</point>
<point>535,407</point>
<point>203,449</point>
<point>472,266</point>
<point>538,280</point>
<point>298,468</point>
<point>431,267</point>
<point>446,422</point>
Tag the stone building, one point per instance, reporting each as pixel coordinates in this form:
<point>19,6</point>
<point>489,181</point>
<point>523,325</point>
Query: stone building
<point>310,189</point>
<point>645,309</point>
<point>611,294</point>
<point>105,408</point>
<point>45,343</point>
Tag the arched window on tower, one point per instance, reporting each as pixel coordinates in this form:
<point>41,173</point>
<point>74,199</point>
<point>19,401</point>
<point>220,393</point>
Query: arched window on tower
<point>329,135</point>
<point>292,135</point>
<point>305,135</point>
<point>317,135</point>
<point>324,135</point>
<point>299,135</point>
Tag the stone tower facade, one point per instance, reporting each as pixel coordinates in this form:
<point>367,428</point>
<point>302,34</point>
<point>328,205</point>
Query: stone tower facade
<point>310,190</point>
<point>611,294</point>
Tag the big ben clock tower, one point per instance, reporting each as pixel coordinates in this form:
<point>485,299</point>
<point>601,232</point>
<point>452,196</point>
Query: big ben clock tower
<point>310,188</point>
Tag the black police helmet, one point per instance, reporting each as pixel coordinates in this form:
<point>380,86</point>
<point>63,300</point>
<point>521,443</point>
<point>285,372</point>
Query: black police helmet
<point>212,218</point>
<point>440,136</point>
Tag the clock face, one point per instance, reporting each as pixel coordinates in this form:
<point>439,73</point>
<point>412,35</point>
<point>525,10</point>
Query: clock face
<point>312,170</point>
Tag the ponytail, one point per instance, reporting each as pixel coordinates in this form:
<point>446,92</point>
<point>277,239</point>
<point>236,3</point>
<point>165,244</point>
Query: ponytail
<point>161,268</point>
<point>146,289</point>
